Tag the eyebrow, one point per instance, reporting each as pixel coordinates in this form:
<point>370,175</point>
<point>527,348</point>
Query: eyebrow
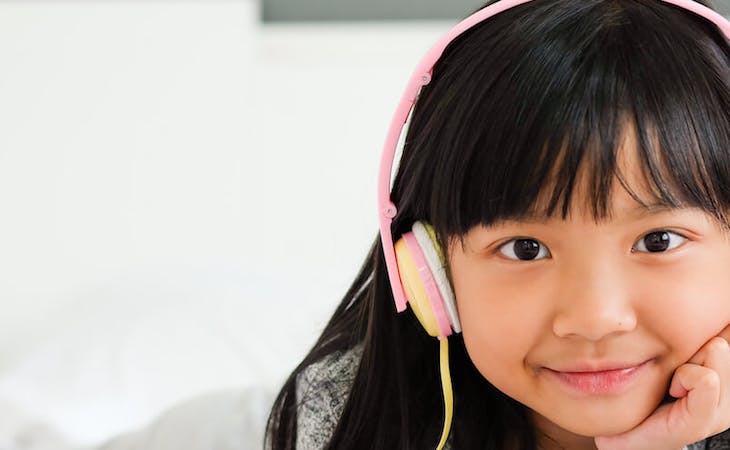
<point>639,211</point>
<point>634,213</point>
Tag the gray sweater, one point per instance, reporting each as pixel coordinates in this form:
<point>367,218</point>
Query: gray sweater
<point>323,387</point>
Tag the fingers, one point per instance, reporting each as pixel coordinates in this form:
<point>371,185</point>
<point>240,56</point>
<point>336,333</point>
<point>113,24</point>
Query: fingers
<point>702,408</point>
<point>714,354</point>
<point>725,334</point>
<point>691,418</point>
<point>701,386</point>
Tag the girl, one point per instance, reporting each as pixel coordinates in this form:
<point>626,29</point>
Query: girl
<point>560,213</point>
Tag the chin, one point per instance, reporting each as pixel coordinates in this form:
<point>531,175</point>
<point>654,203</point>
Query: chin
<point>600,429</point>
<point>601,423</point>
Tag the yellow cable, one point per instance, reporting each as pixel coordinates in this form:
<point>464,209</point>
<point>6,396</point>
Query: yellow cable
<point>448,395</point>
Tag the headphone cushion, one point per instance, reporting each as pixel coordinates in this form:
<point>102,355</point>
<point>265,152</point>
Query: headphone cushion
<point>428,243</point>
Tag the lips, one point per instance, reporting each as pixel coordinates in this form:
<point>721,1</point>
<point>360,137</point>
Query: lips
<point>596,366</point>
<point>597,377</point>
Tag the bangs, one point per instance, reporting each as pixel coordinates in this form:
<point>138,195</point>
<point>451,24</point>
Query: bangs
<point>522,105</point>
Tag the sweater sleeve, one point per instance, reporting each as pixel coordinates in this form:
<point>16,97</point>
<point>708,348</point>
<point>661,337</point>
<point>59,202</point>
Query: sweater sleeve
<point>719,441</point>
<point>321,391</point>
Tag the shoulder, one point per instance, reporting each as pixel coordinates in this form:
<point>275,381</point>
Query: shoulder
<point>322,389</point>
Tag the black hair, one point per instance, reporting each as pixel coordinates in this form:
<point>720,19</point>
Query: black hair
<point>517,104</point>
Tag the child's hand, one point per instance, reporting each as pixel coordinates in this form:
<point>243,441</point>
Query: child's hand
<point>702,387</point>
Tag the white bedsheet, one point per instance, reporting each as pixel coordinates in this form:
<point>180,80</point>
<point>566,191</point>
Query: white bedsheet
<point>122,363</point>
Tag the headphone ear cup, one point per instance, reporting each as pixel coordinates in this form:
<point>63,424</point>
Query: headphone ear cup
<point>426,236</point>
<point>413,287</point>
<point>419,284</point>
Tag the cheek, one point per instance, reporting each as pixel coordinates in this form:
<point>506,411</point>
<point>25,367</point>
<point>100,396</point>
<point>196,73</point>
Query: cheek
<point>495,350</point>
<point>686,305</point>
<point>491,312</point>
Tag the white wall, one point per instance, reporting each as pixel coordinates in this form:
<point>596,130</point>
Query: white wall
<point>184,196</point>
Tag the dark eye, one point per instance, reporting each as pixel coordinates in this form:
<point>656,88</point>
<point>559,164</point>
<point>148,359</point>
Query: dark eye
<point>524,249</point>
<point>659,241</point>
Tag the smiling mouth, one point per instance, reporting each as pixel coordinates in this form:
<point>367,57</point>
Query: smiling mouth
<point>612,381</point>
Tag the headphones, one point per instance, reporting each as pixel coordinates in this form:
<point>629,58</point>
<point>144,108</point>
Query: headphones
<point>416,263</point>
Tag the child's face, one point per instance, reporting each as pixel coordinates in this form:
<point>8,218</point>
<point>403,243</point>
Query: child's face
<point>583,296</point>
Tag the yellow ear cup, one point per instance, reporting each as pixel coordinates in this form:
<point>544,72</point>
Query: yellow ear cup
<point>414,289</point>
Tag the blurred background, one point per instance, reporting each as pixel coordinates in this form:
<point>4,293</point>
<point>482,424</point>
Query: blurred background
<point>187,188</point>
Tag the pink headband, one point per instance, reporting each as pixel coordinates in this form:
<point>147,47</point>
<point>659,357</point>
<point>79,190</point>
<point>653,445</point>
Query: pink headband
<point>421,77</point>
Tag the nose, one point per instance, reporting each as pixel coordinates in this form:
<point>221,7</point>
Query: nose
<point>593,301</point>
